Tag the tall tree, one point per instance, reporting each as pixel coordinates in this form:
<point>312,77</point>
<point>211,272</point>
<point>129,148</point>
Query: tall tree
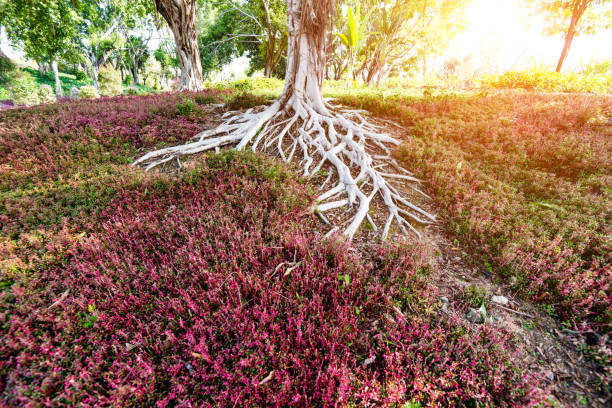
<point>255,27</point>
<point>98,32</point>
<point>572,17</point>
<point>181,18</point>
<point>42,28</point>
<point>327,138</point>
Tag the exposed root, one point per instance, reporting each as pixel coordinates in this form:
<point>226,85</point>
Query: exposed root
<point>338,138</point>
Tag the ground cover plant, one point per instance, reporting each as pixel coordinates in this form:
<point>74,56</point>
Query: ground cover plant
<point>524,179</point>
<point>206,289</point>
<point>60,162</point>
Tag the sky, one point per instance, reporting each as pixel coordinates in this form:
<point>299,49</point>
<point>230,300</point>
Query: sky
<point>502,34</point>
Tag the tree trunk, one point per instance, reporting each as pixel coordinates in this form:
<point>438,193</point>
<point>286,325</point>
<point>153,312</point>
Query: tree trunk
<point>94,75</point>
<point>181,17</point>
<point>578,11</point>
<point>307,22</point>
<point>58,83</point>
<point>300,120</point>
<point>41,68</point>
<point>134,69</point>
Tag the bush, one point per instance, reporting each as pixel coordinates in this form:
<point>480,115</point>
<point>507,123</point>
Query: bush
<point>599,68</point>
<point>543,80</point>
<point>110,81</point>
<point>205,99</point>
<point>7,70</point>
<point>186,108</point>
<point>46,94</point>
<point>23,89</point>
<point>242,85</point>
<point>132,90</point>
<point>245,101</point>
<point>128,80</point>
<point>80,75</point>
<point>88,92</point>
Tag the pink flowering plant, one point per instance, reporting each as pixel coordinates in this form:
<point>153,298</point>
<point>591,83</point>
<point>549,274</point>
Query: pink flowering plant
<point>210,288</point>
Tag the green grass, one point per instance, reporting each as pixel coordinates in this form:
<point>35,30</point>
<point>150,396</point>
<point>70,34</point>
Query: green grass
<point>68,81</point>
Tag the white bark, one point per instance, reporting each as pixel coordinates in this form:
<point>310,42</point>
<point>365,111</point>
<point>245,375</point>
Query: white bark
<point>301,126</point>
<point>58,83</point>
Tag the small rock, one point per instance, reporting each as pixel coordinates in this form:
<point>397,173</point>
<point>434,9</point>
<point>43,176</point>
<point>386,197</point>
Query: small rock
<point>369,361</point>
<point>444,299</point>
<point>549,375</point>
<point>457,258</point>
<point>477,316</point>
<point>497,319</point>
<point>500,300</point>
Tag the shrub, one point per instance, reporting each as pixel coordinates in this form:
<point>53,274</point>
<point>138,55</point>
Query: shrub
<point>242,85</point>
<point>7,70</point>
<point>110,81</point>
<point>23,89</point>
<point>245,101</point>
<point>46,94</point>
<point>80,75</point>
<point>133,90</point>
<point>128,80</point>
<point>88,92</point>
<point>544,80</point>
<point>206,99</point>
<point>186,107</point>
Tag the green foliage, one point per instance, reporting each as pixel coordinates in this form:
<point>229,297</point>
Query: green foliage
<point>598,68</point>
<point>544,80</point>
<point>186,107</point>
<point>129,79</point>
<point>261,36</point>
<point>88,92</point>
<point>132,90</point>
<point>46,94</point>
<point>7,70</point>
<point>110,81</point>
<point>80,75</point>
<point>23,89</point>
<point>205,99</point>
<point>43,28</point>
<point>474,296</point>
<point>245,101</point>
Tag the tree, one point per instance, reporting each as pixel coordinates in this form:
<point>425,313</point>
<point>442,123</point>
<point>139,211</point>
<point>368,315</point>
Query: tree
<point>98,33</point>
<point>135,55</point>
<point>255,27</point>
<point>403,30</point>
<point>572,17</point>
<point>355,36</point>
<point>42,28</point>
<point>181,18</point>
<point>325,136</point>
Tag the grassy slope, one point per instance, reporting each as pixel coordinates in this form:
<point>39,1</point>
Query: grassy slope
<point>67,80</point>
<point>525,180</point>
<point>152,314</point>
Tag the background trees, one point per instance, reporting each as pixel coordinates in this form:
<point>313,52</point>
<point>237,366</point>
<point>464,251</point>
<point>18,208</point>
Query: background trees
<point>571,17</point>
<point>255,28</point>
<point>44,29</point>
<point>181,18</point>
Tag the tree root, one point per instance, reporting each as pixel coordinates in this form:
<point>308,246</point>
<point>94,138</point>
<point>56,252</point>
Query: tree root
<point>340,138</point>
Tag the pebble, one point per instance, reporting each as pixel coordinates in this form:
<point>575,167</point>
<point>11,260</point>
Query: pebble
<point>500,300</point>
<point>444,299</point>
<point>549,375</point>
